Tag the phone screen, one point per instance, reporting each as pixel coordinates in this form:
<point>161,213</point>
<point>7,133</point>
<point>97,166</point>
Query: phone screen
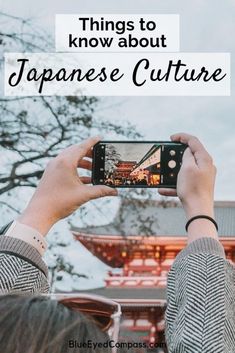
<point>137,164</point>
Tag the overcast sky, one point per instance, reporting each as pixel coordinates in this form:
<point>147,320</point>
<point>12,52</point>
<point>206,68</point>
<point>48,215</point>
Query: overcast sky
<point>205,26</point>
<point>133,152</point>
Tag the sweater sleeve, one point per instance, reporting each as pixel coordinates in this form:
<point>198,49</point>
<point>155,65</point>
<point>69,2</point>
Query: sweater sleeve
<point>200,315</point>
<point>21,268</point>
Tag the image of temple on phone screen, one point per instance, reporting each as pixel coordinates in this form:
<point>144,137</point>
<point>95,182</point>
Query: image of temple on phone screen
<point>132,164</point>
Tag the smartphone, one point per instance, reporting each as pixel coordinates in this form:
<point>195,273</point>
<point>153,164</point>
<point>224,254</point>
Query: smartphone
<point>131,164</point>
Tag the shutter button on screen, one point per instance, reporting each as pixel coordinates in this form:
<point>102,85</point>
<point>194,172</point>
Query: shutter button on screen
<point>172,164</point>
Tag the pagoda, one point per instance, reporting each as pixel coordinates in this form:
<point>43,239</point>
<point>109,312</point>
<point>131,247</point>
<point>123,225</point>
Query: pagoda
<point>123,169</point>
<point>140,246</point>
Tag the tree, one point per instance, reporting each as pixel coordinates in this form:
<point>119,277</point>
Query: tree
<point>111,158</point>
<point>34,129</point>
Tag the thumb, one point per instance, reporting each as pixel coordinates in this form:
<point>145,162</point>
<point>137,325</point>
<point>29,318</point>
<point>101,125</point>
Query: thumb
<point>97,191</point>
<point>167,192</point>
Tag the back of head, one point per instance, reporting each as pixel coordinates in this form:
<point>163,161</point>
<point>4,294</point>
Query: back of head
<point>30,324</point>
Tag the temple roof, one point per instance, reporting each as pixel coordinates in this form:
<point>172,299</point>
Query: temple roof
<point>163,218</point>
<point>124,294</point>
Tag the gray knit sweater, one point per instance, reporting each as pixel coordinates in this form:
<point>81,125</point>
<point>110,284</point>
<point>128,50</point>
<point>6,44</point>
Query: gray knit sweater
<point>200,315</point>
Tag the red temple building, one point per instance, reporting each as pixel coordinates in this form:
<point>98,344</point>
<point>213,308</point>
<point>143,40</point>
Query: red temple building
<point>123,169</point>
<point>140,246</point>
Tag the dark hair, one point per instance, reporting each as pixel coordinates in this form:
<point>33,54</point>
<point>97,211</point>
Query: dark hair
<point>32,324</point>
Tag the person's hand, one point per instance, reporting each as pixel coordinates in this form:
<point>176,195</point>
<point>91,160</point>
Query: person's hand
<point>196,180</point>
<point>61,190</point>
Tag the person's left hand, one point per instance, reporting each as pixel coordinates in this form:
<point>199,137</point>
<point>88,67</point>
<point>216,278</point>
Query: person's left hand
<point>61,190</point>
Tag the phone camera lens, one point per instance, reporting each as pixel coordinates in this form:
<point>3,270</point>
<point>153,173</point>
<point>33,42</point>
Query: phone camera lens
<point>172,164</point>
<point>172,152</point>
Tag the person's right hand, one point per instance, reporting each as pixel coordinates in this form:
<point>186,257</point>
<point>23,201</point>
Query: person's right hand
<point>62,190</point>
<point>196,178</point>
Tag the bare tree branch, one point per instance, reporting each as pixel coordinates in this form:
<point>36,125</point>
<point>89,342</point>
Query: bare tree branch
<point>34,129</point>
<point>9,206</point>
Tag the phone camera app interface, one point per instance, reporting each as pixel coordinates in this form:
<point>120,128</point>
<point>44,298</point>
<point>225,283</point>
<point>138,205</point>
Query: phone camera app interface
<point>132,164</point>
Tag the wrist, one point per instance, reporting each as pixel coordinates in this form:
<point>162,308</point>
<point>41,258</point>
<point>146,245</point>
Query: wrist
<point>201,227</point>
<point>196,208</point>
<point>27,234</point>
<point>37,220</point>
